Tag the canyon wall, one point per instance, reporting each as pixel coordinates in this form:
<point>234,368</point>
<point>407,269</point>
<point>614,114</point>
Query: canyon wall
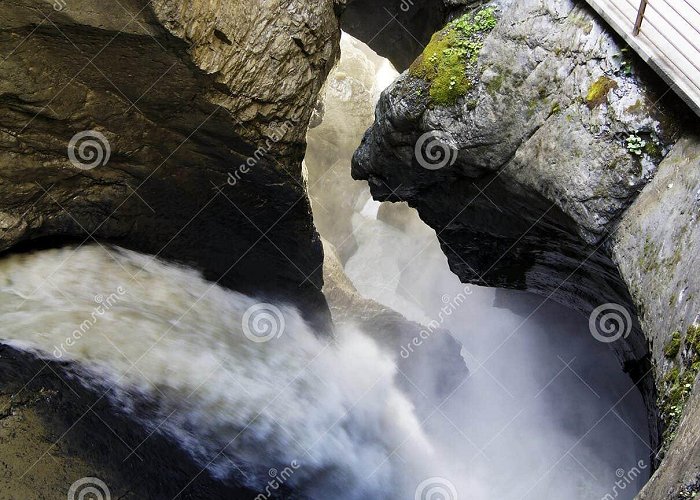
<point>548,158</point>
<point>576,175</point>
<point>173,128</point>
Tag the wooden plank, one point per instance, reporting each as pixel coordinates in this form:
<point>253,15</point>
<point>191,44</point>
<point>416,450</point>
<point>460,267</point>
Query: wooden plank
<point>668,39</point>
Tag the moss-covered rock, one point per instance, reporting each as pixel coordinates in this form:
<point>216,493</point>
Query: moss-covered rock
<point>629,200</point>
<point>679,380</point>
<point>673,346</point>
<point>446,61</point>
<point>598,91</point>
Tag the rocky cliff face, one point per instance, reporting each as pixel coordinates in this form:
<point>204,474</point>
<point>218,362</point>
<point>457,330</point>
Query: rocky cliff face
<point>656,247</point>
<point>169,127</point>
<point>524,136</point>
<point>196,113</point>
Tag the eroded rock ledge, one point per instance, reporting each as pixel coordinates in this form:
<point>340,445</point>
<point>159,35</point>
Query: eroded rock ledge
<point>562,173</point>
<point>395,29</point>
<point>203,107</point>
<point>55,431</point>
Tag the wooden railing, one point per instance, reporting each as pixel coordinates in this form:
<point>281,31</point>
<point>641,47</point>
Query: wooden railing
<point>640,17</point>
<point>666,34</point>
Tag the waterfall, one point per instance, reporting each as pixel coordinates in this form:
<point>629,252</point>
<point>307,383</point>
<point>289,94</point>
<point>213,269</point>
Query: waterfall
<point>251,392</point>
<point>245,387</point>
<point>547,411</point>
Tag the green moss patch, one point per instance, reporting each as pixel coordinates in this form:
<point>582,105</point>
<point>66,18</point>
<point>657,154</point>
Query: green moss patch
<point>692,338</point>
<point>495,84</point>
<point>451,53</point>
<point>598,92</point>
<point>678,382</point>
<point>649,259</point>
<point>673,346</point>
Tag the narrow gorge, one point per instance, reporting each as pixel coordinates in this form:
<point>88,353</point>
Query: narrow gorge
<point>392,249</point>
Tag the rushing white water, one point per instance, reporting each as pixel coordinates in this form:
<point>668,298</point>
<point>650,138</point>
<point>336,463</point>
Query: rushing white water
<point>161,333</point>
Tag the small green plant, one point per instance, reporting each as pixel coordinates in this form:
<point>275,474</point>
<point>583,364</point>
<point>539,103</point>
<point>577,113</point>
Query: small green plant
<point>690,491</point>
<point>446,60</point>
<point>626,64</point>
<point>692,338</point>
<point>635,145</point>
<point>625,61</point>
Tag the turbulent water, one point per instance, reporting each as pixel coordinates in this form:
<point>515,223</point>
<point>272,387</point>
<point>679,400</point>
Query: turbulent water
<point>546,411</point>
<point>251,392</point>
<point>244,387</point>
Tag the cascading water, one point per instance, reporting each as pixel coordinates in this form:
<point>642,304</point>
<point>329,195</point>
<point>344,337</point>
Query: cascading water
<point>246,387</point>
<point>546,411</point>
<point>183,357</point>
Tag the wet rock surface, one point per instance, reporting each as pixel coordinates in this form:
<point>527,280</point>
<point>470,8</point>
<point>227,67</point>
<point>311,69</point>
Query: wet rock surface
<point>532,180</point>
<point>197,112</point>
<point>526,145</point>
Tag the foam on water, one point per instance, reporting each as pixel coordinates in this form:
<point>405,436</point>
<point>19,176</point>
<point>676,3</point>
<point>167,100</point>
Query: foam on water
<point>160,333</point>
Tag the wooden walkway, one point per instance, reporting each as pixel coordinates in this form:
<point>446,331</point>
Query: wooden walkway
<point>666,34</point>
